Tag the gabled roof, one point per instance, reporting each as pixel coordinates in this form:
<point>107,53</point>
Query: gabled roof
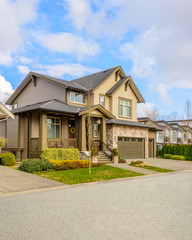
<point>132,86</point>
<point>100,109</point>
<point>32,75</point>
<point>92,81</point>
<point>4,112</point>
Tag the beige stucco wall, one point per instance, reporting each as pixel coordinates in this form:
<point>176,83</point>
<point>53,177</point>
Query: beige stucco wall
<point>43,91</point>
<point>121,93</point>
<point>112,102</point>
<point>113,131</point>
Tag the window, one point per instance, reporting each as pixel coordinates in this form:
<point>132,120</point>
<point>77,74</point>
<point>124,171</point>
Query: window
<point>174,136</point>
<point>102,100</point>
<point>160,135</point>
<point>185,137</point>
<point>95,130</point>
<point>125,108</point>
<point>77,97</point>
<point>53,127</point>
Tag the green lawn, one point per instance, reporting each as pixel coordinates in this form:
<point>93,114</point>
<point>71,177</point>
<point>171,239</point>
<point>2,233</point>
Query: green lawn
<point>163,170</point>
<point>81,175</point>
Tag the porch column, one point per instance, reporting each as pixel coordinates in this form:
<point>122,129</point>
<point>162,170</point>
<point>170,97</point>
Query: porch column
<point>103,130</point>
<point>82,133</point>
<point>43,131</point>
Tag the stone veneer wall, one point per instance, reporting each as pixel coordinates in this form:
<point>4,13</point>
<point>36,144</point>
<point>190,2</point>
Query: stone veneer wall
<point>113,131</point>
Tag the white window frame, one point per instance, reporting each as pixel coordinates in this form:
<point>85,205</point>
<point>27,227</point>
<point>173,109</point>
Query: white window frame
<point>75,97</point>
<point>174,140</point>
<point>124,105</point>
<point>102,103</point>
<point>55,124</point>
<point>95,130</point>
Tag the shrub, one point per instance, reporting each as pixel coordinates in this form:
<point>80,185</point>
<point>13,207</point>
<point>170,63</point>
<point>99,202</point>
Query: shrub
<point>142,165</point>
<point>8,159</point>
<point>73,164</point>
<point>116,153</point>
<point>139,164</point>
<point>121,161</point>
<point>2,142</point>
<point>136,162</point>
<point>61,153</point>
<point>167,156</point>
<point>35,165</point>
<point>178,157</point>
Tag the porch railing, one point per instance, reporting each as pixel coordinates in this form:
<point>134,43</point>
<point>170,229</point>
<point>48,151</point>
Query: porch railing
<point>62,143</point>
<point>101,146</point>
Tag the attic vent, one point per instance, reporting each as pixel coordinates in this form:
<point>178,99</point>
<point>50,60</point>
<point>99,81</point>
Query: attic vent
<point>105,71</point>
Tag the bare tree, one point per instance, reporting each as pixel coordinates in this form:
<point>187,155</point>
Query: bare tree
<point>188,115</point>
<point>152,113</point>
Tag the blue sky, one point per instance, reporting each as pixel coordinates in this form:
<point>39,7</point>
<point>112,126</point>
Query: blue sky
<point>151,40</point>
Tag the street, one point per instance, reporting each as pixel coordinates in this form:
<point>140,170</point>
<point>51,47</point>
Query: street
<point>148,208</point>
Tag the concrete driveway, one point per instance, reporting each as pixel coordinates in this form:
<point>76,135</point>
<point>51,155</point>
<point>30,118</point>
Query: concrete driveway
<point>175,165</point>
<point>12,180</point>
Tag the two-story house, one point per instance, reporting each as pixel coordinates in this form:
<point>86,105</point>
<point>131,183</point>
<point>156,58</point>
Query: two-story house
<point>51,112</point>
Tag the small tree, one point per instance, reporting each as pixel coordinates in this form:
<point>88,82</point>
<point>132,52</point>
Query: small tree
<point>188,115</point>
<point>2,142</point>
<point>152,113</point>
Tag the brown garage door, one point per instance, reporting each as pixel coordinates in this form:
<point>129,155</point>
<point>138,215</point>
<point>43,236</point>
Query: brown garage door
<point>131,148</point>
<point>151,148</point>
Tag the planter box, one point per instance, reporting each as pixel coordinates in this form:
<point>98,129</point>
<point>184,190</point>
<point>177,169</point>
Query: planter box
<point>115,159</point>
<point>95,159</point>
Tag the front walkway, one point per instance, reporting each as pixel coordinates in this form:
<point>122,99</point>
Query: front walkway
<point>12,180</point>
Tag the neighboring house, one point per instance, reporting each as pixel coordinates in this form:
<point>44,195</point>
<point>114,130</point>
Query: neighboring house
<point>170,132</point>
<point>51,112</point>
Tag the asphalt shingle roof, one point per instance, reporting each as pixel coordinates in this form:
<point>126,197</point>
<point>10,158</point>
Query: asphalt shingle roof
<point>51,105</point>
<point>118,84</point>
<point>129,123</point>
<point>92,81</point>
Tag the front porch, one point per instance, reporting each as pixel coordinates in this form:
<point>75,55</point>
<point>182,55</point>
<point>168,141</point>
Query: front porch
<point>49,130</point>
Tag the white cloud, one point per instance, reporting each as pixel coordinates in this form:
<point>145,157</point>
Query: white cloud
<point>59,70</point>
<point>143,108</point>
<point>160,34</point>
<point>23,69</point>
<point>68,43</point>
<point>163,93</point>
<point>5,89</point>
<point>13,15</point>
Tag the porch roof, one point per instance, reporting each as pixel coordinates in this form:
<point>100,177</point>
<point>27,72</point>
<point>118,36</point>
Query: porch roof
<point>51,105</point>
<point>4,112</point>
<point>130,123</point>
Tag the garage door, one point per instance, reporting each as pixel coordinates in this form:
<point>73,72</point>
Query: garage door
<point>131,148</point>
<point>151,148</point>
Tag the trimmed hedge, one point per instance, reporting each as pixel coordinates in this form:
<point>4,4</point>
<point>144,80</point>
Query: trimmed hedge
<point>8,159</point>
<point>73,164</point>
<point>61,153</point>
<point>35,165</point>
<point>182,150</point>
<point>178,157</point>
<point>167,156</point>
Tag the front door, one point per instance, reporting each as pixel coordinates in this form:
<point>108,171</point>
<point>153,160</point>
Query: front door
<point>71,132</point>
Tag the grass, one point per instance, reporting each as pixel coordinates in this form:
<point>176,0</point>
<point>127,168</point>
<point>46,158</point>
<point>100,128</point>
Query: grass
<point>163,170</point>
<point>81,175</point>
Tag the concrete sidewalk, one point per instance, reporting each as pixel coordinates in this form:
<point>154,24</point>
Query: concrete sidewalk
<point>12,180</point>
<point>132,168</point>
